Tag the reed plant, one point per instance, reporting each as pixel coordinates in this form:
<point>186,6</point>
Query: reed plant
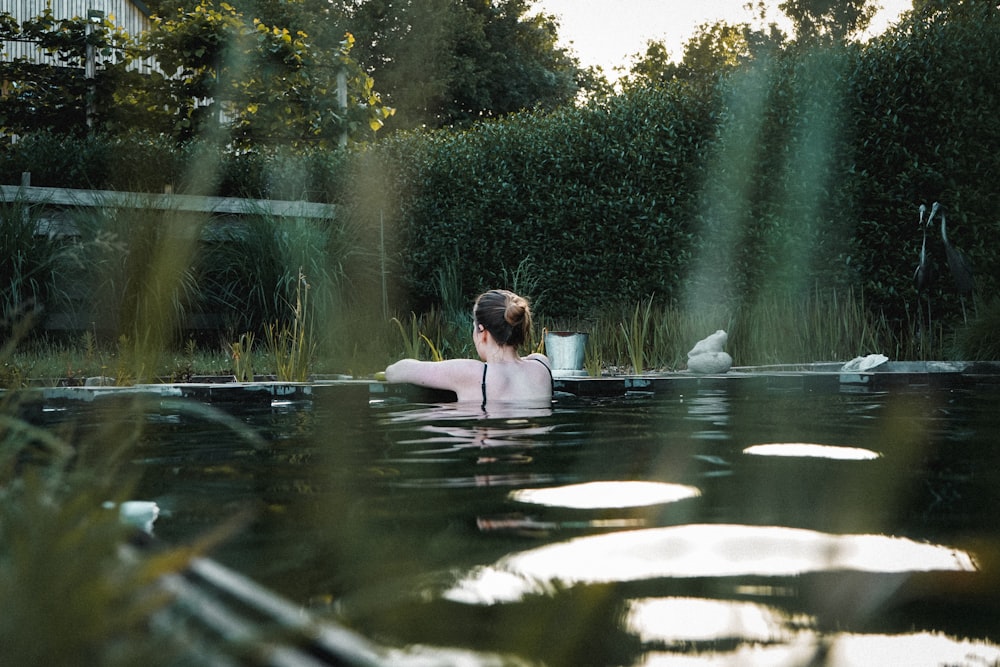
<point>776,329</point>
<point>37,264</point>
<point>136,273</point>
<point>651,335</point>
<point>74,590</point>
<point>635,333</point>
<point>526,280</point>
<point>242,354</point>
<point>818,326</point>
<point>414,337</point>
<point>292,345</point>
<point>593,360</point>
<point>71,596</point>
<point>978,339</point>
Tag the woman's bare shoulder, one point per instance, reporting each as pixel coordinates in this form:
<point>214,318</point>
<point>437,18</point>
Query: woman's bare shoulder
<point>538,356</point>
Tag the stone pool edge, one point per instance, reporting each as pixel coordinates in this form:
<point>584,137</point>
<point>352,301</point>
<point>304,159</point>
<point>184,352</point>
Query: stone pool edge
<point>805,377</point>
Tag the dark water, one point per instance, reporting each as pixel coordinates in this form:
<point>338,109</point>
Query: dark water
<point>766,527</point>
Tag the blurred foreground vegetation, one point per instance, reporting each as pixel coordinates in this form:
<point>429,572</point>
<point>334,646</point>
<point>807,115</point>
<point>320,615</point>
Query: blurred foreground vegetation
<point>74,595</point>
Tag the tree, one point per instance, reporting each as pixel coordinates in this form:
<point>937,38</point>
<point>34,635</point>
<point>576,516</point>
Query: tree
<point>216,73</point>
<point>652,66</point>
<point>828,21</point>
<point>41,96</point>
<point>714,49</point>
<point>717,47</point>
<point>442,62</point>
<point>438,62</point>
<point>263,84</point>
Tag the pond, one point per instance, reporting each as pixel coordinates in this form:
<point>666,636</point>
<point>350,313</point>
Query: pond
<point>768,526</point>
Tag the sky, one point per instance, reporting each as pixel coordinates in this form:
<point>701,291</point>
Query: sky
<point>609,32</point>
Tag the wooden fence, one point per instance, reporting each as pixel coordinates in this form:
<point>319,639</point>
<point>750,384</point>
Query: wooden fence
<point>58,204</point>
<point>64,198</point>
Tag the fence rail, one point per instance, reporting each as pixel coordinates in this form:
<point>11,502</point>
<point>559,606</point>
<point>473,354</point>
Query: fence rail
<point>67,197</point>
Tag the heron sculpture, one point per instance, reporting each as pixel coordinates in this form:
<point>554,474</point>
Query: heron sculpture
<point>924,273</point>
<point>961,270</point>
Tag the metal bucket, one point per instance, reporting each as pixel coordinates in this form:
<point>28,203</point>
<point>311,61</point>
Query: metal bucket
<point>566,349</point>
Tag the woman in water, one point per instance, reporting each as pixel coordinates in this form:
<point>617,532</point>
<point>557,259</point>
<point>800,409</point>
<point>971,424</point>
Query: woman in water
<point>501,323</point>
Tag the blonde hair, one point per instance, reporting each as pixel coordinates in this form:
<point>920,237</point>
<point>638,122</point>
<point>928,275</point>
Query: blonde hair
<point>505,315</point>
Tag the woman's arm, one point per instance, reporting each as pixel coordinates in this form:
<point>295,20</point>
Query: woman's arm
<point>463,376</point>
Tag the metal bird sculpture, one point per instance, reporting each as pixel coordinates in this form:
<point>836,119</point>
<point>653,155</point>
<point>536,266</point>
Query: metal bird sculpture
<point>924,273</point>
<point>961,270</point>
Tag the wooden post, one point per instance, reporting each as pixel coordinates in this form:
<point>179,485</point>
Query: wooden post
<point>94,18</point>
<point>342,103</point>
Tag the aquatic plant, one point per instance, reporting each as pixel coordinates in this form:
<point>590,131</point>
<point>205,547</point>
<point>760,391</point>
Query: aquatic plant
<point>135,282</point>
<point>242,353</point>
<point>978,339</point>
<point>635,333</point>
<point>413,335</point>
<point>71,595</point>
<point>292,346</point>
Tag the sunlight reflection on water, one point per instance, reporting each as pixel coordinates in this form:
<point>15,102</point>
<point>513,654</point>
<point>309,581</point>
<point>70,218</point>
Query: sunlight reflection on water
<point>594,495</point>
<point>812,450</point>
<point>842,650</point>
<point>714,550</point>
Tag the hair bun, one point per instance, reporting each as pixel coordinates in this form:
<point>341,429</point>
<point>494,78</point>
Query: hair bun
<point>515,309</point>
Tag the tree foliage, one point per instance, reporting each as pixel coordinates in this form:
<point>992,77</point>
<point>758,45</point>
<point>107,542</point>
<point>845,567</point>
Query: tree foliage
<point>719,47</point>
<point>61,95</point>
<point>828,21</point>
<point>265,71</point>
<point>442,62</point>
<point>270,85</point>
<point>216,73</point>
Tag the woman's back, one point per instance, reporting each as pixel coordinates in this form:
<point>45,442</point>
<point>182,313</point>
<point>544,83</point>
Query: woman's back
<point>525,379</point>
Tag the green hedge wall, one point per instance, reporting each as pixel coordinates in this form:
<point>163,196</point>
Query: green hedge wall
<point>584,196</point>
<point>801,172</point>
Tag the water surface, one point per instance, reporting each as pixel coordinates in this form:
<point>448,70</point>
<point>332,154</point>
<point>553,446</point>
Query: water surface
<point>752,527</point>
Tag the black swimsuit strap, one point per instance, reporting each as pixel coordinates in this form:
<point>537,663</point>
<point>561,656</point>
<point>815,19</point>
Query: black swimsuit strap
<point>484,387</point>
<point>552,380</point>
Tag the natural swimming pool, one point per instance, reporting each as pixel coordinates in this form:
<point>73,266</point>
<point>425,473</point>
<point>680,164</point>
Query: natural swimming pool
<point>763,526</point>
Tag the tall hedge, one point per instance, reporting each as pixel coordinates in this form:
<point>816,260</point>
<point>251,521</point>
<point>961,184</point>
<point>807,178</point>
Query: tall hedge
<point>583,195</point>
<point>799,172</point>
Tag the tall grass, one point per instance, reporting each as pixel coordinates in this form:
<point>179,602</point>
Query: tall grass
<point>292,344</point>
<point>651,336</point>
<point>414,339</point>
<point>820,326</point>
<point>778,329</point>
<point>36,264</point>
<point>135,278</point>
<point>73,592</point>
<point>635,333</point>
